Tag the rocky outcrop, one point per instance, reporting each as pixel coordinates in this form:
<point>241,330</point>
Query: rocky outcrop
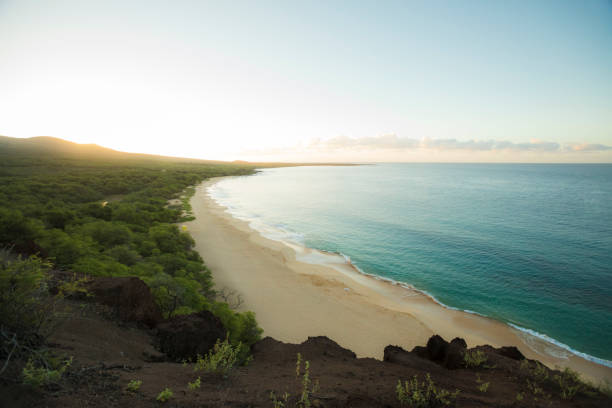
<point>438,350</point>
<point>184,337</point>
<point>129,297</point>
<point>510,352</point>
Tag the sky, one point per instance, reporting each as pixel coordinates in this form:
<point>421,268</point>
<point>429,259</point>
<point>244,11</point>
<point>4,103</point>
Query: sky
<point>517,81</point>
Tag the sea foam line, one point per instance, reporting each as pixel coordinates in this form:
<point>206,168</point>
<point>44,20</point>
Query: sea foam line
<point>283,235</point>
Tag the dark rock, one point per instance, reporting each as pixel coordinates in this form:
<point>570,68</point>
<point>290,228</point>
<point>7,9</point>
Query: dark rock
<point>458,341</point>
<point>396,354</point>
<point>453,358</point>
<point>421,352</point>
<point>325,346</point>
<point>510,352</point>
<point>436,348</point>
<point>184,337</point>
<point>130,298</point>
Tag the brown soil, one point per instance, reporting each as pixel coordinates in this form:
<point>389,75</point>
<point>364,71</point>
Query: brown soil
<point>108,353</point>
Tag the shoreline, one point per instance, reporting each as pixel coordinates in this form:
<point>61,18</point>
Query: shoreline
<point>294,297</point>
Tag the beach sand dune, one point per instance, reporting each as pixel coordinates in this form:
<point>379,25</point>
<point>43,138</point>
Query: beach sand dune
<point>294,299</point>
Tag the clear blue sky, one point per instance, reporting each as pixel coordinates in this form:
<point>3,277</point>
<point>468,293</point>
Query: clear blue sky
<point>380,80</point>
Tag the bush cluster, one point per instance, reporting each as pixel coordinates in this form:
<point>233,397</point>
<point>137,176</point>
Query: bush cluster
<point>105,218</point>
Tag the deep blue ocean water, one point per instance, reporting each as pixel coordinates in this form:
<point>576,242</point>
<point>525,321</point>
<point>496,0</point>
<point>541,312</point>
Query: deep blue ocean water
<point>528,244</point>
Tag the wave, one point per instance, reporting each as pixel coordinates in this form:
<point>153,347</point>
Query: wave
<point>564,346</point>
<point>296,240</point>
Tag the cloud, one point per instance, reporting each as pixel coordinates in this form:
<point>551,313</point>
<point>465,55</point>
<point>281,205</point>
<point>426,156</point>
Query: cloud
<point>391,147</point>
<point>393,142</point>
<point>587,147</point>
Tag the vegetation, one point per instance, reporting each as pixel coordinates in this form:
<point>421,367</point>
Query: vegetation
<point>307,387</point>
<point>221,359</point>
<point>424,394</point>
<point>195,384</point>
<point>38,376</point>
<point>100,213</point>
<point>474,358</point>
<point>570,384</point>
<point>26,314</point>
<point>306,391</point>
<point>165,395</point>
<point>484,386</point>
<point>279,403</point>
<point>134,385</point>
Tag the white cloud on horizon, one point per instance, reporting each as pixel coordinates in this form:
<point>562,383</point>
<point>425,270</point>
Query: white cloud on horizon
<point>391,145</point>
<point>394,142</point>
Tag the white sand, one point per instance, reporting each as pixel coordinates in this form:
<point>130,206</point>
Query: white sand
<point>294,300</point>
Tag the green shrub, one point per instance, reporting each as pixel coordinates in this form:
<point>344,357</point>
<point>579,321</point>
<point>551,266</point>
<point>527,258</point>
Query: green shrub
<point>305,394</point>
<point>38,376</point>
<point>570,383</point>
<point>220,360</point>
<point>279,403</point>
<point>424,394</point>
<point>474,358</point>
<point>26,308</point>
<point>196,384</point>
<point>134,385</point>
<point>165,395</point>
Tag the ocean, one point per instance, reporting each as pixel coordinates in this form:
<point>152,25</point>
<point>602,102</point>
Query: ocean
<point>527,244</point>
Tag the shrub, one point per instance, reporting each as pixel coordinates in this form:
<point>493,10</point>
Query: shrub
<point>196,384</point>
<point>220,360</point>
<point>38,376</point>
<point>305,395</point>
<point>26,308</point>
<point>570,383</point>
<point>474,358</point>
<point>483,387</point>
<point>424,394</point>
<point>134,385</point>
<point>165,395</point>
<point>282,403</point>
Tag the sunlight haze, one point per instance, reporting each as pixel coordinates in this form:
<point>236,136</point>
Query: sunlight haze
<point>480,81</point>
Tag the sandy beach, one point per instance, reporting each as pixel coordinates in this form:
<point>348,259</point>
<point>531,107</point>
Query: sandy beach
<point>295,296</point>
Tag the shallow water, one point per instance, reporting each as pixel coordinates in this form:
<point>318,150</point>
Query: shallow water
<point>530,245</point>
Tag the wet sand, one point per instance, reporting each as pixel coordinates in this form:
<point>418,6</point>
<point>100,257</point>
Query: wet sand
<point>298,292</point>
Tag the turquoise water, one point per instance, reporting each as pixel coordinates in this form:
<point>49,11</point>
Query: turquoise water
<point>530,245</point>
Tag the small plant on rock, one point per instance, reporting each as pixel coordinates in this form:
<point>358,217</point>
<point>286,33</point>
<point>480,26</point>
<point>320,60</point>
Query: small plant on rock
<point>38,376</point>
<point>221,359</point>
<point>423,394</point>
<point>305,396</point>
<point>194,385</point>
<point>570,383</point>
<point>165,395</point>
<point>484,386</point>
<point>279,403</point>
<point>474,358</point>
<point>134,385</point>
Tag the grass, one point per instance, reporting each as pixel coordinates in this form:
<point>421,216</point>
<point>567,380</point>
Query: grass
<point>423,394</point>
